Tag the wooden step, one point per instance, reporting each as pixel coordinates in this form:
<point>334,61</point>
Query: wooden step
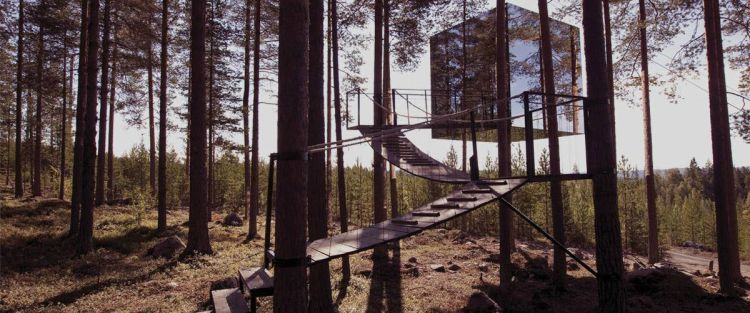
<point>405,222</point>
<point>229,300</point>
<point>493,183</point>
<point>257,281</point>
<point>426,213</point>
<point>473,191</point>
<point>445,206</point>
<point>462,199</point>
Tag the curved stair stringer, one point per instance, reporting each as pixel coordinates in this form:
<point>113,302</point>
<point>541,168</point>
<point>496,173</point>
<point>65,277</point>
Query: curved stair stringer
<point>403,153</point>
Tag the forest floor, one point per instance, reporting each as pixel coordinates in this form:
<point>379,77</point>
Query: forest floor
<point>39,273</point>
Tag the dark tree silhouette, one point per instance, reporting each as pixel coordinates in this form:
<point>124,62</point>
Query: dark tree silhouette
<point>101,156</point>
<point>378,167</point>
<point>252,230</point>
<point>19,103</point>
<point>198,240</point>
<point>112,105</point>
<point>601,162</point>
<point>151,131</point>
<point>86,233</point>
<point>64,117</point>
<point>75,199</point>
<point>36,181</point>
<point>254,163</point>
<point>162,190</point>
<point>290,281</point>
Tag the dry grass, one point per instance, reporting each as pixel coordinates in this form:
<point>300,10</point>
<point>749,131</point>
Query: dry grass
<point>39,272</point>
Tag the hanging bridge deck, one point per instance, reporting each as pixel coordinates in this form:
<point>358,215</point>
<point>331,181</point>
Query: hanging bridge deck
<point>469,197</point>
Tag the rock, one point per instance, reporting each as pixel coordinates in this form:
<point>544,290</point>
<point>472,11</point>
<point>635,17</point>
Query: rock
<point>167,248</point>
<point>232,219</point>
<point>409,265</point>
<point>437,268</point>
<point>479,302</point>
<point>454,267</point>
<point>229,282</point>
<point>413,260</point>
<point>484,267</point>
<point>573,266</point>
<point>172,285</point>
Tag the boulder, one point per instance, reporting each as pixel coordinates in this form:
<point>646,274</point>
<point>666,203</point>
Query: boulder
<point>409,265</point>
<point>167,248</point>
<point>480,302</point>
<point>437,268</point>
<point>232,219</point>
<point>454,267</point>
<point>413,260</point>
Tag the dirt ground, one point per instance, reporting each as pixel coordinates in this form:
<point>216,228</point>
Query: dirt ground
<point>39,273</point>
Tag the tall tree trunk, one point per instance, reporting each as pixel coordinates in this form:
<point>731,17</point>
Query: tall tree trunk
<point>378,185</point>
<point>254,163</point>
<point>36,183</point>
<point>211,112</point>
<point>464,62</point>
<point>112,99</point>
<point>290,293</point>
<point>252,227</point>
<point>387,101</point>
<point>724,189</point>
<point>101,155</point>
<point>162,196</point>
<point>198,240</point>
<point>601,162</point>
<point>151,134</point>
<point>317,211</point>
<point>86,233</point>
<point>558,215</point>
<point>18,190</point>
<point>75,199</point>
<point>504,141</point>
<point>653,231</point>
<point>64,118</point>
<point>340,169</point>
<point>610,62</point>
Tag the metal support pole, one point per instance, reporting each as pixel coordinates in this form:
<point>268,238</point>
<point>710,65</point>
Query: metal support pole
<point>554,241</point>
<point>393,107</point>
<point>269,211</point>
<point>529,130</point>
<point>473,161</point>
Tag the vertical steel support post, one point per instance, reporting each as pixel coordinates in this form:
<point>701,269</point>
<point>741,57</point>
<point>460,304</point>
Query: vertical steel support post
<point>529,130</point>
<point>393,107</point>
<point>269,211</point>
<point>473,161</point>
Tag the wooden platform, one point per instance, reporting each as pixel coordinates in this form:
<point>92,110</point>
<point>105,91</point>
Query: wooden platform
<point>466,199</point>
<point>229,301</point>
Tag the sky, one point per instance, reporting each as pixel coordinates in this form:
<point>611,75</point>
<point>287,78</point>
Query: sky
<point>681,131</point>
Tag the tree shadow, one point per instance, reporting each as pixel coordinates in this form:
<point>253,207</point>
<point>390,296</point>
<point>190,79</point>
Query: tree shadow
<point>386,282</point>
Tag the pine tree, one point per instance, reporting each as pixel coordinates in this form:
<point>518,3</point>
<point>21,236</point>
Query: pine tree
<point>18,190</point>
<point>162,190</point>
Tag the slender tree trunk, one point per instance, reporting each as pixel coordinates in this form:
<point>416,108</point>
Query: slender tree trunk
<point>86,233</point>
<point>162,196</point>
<point>252,228</point>
<point>387,101</point>
<point>198,240</point>
<point>504,142</point>
<point>30,135</point>
<point>464,63</point>
<point>64,118</point>
<point>340,169</point>
<point>724,189</point>
<point>378,185</point>
<point>558,215</point>
<point>75,202</point>
<point>601,162</point>
<point>610,62</point>
<point>317,211</point>
<point>151,134</point>
<point>112,99</point>
<point>36,185</point>
<point>18,190</point>
<point>101,155</point>
<point>254,163</point>
<point>211,112</point>
<point>329,101</point>
<point>653,231</point>
<point>290,293</point>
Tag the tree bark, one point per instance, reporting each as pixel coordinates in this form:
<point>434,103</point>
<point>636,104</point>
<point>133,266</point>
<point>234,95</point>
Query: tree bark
<point>18,190</point>
<point>36,182</point>
<point>388,102</point>
<point>198,240</point>
<point>724,188</point>
<point>340,169</point>
<point>211,112</point>
<point>252,232</point>
<point>653,231</point>
<point>64,118</point>
<point>254,163</point>
<point>290,293</point>
<point>558,214</point>
<point>378,194</point>
<point>162,196</point>
<point>317,211</point>
<point>111,132</point>
<point>101,155</point>
<point>75,201</point>
<point>86,233</point>
<point>601,162</point>
<point>504,141</point>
